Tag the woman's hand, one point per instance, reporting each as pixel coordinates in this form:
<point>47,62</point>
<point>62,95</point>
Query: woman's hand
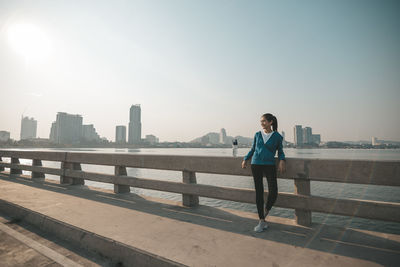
<point>282,166</point>
<point>244,164</point>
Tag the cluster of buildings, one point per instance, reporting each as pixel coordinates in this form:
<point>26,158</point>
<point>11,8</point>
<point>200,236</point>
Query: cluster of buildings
<point>69,129</point>
<point>28,130</point>
<point>134,129</point>
<point>304,136</point>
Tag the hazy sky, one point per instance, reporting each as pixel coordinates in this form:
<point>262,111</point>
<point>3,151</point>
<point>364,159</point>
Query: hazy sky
<point>199,66</point>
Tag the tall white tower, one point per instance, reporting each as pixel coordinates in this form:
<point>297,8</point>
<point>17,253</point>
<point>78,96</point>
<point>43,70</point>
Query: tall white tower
<point>135,125</point>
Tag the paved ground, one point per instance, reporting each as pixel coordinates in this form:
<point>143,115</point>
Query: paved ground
<point>24,245</point>
<point>201,236</point>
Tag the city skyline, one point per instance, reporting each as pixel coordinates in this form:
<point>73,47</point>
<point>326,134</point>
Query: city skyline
<point>89,133</point>
<point>193,76</point>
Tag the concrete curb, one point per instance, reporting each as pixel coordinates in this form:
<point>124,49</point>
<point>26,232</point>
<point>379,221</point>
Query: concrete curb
<point>119,253</point>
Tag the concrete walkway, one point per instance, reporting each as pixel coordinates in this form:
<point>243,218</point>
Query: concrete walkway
<point>22,245</point>
<point>200,236</point>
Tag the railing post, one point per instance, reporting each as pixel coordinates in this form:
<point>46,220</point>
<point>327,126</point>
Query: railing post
<point>1,167</point>
<point>15,171</point>
<point>189,177</point>
<point>71,180</point>
<point>302,187</point>
<point>37,162</point>
<point>77,181</point>
<point>119,188</point>
<point>65,179</point>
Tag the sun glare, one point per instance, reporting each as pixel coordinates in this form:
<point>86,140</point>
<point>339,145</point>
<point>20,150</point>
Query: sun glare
<point>29,41</point>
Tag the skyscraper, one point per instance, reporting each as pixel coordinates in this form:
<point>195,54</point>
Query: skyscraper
<point>67,129</point>
<point>53,132</point>
<point>222,136</point>
<point>307,135</point>
<point>135,125</point>
<point>28,128</point>
<point>374,141</point>
<point>120,134</point>
<point>298,135</point>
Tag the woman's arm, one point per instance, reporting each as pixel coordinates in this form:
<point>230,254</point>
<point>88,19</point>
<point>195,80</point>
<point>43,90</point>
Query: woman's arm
<point>282,158</point>
<point>281,154</point>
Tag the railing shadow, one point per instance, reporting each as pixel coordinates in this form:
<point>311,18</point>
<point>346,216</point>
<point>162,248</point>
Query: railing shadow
<point>348,242</point>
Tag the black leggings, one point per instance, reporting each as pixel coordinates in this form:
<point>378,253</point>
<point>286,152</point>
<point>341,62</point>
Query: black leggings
<point>258,171</point>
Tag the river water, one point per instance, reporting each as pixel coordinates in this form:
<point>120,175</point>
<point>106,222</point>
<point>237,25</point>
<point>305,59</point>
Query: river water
<point>326,189</point>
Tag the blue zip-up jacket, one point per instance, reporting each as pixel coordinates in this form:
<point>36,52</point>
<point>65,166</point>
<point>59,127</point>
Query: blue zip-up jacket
<point>265,153</point>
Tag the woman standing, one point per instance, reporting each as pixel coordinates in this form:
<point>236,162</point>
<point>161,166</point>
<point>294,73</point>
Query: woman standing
<point>265,144</point>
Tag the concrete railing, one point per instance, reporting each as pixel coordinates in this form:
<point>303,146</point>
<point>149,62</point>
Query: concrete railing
<point>302,171</point>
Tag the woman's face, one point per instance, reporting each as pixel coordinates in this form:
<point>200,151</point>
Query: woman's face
<point>265,124</point>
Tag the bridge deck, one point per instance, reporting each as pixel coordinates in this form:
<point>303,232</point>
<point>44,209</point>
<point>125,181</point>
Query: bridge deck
<point>200,236</point>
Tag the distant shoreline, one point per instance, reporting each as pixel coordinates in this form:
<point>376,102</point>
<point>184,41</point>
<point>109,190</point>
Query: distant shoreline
<point>180,145</point>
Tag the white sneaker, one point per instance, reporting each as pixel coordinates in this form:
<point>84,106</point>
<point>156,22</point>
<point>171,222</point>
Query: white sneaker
<point>262,225</point>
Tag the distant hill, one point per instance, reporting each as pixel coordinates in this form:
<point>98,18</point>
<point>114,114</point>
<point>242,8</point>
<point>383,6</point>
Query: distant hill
<point>214,138</point>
